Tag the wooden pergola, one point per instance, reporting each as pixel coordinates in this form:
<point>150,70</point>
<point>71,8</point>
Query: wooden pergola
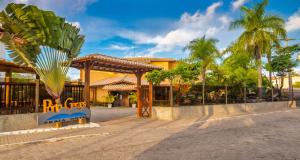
<point>101,62</point>
<point>9,67</point>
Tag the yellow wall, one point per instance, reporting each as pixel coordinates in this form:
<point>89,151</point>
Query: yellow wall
<point>100,75</point>
<point>286,81</point>
<point>164,65</point>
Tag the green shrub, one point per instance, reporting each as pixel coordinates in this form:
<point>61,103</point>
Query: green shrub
<point>110,99</point>
<point>132,98</point>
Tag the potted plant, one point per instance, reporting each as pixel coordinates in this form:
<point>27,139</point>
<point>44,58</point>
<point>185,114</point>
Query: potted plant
<point>110,99</point>
<point>133,99</point>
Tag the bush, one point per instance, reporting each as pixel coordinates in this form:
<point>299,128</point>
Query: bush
<point>110,99</point>
<point>132,98</point>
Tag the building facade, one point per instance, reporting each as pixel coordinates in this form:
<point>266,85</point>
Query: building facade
<point>121,85</point>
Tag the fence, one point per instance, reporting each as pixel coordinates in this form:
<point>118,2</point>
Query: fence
<point>224,95</point>
<point>18,98</point>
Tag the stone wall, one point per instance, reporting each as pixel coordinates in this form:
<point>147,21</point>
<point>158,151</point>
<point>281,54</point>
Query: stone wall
<point>18,122</point>
<point>205,112</point>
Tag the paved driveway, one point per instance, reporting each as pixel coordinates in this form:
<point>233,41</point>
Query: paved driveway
<point>101,114</point>
<point>271,136</point>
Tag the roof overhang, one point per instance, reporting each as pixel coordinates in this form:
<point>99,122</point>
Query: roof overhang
<point>120,87</point>
<point>7,66</point>
<point>102,62</point>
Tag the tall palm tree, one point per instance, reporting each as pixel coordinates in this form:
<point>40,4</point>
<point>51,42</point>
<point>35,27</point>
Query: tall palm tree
<point>260,29</point>
<point>41,40</point>
<point>204,51</point>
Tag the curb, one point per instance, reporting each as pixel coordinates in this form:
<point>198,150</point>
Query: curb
<point>40,130</point>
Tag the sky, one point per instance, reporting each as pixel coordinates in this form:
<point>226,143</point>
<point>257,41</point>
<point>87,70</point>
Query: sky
<point>157,28</point>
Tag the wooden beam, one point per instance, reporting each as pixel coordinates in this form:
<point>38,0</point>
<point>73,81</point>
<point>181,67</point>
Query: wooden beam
<point>87,69</point>
<point>139,94</point>
<point>8,75</point>
<point>16,69</point>
<point>119,70</point>
<point>150,98</point>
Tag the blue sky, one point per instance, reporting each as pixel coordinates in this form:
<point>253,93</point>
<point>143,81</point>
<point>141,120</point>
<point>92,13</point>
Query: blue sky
<point>160,28</point>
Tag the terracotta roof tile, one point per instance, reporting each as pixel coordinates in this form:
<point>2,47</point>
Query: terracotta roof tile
<point>151,59</point>
<point>113,64</point>
<point>127,79</point>
<point>120,87</point>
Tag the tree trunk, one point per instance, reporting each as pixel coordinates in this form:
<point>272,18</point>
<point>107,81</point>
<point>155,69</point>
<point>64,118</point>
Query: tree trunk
<point>203,85</point>
<point>270,77</point>
<point>281,86</point>
<point>179,93</point>
<point>171,93</point>
<point>57,101</point>
<point>259,70</point>
<point>290,86</point>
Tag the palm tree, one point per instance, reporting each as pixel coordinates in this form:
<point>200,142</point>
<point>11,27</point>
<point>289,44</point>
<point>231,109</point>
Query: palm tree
<point>260,30</point>
<point>41,40</point>
<point>203,51</point>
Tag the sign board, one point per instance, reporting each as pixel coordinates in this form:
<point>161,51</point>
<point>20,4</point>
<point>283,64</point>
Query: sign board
<point>58,113</point>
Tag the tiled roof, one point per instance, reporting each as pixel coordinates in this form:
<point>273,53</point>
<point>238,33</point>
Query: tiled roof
<point>108,63</point>
<point>151,59</point>
<point>127,79</point>
<point>120,87</point>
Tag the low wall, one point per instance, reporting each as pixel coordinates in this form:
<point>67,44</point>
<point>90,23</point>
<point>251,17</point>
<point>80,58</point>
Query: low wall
<point>205,112</point>
<point>18,122</point>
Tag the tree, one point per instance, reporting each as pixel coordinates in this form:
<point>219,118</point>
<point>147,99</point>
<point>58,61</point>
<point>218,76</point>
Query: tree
<point>283,64</point>
<point>186,71</point>
<point>41,40</point>
<point>204,52</point>
<point>260,30</point>
<point>157,76</point>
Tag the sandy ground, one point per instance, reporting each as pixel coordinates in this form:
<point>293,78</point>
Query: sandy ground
<point>267,136</point>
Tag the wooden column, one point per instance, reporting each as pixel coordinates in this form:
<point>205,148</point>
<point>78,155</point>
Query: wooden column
<point>37,93</point>
<point>150,98</point>
<point>87,69</point>
<point>139,94</point>
<point>8,75</point>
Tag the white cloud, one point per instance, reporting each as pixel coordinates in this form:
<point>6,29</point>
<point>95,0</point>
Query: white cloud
<point>76,24</point>
<point>61,7</point>
<point>293,22</point>
<point>190,26</point>
<point>212,8</point>
<point>97,29</point>
<point>238,3</point>
<point>74,74</point>
<point>120,47</point>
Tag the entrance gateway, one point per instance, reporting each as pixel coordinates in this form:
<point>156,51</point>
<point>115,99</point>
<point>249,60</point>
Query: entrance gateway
<point>101,62</point>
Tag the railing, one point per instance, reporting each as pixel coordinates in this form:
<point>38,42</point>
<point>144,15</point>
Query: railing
<point>225,95</point>
<point>19,98</point>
